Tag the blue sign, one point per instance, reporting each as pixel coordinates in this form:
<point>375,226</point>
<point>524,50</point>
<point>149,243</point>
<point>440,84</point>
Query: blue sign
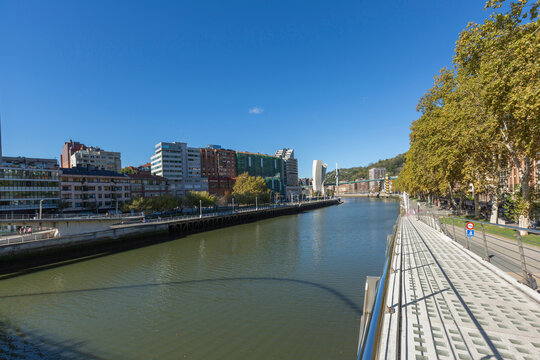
<point>470,233</point>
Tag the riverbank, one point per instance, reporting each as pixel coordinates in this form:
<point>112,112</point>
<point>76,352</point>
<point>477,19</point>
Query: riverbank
<point>23,256</point>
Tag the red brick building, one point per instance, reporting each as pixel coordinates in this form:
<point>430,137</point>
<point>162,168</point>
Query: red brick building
<point>67,150</point>
<point>219,166</point>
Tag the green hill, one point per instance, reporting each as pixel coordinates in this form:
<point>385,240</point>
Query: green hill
<point>393,167</point>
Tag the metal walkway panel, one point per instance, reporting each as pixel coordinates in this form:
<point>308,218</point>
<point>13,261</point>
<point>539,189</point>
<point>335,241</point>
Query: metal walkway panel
<point>452,306</point>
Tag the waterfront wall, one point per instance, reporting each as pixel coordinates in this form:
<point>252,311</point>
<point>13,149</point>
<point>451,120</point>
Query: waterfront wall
<point>20,256</point>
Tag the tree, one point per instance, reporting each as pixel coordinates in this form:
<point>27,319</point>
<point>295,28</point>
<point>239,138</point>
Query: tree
<point>129,170</point>
<point>196,198</point>
<point>156,203</point>
<point>247,188</point>
<point>481,113</point>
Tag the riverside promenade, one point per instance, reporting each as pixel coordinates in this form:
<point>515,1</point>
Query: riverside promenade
<point>445,302</point>
<point>96,235</point>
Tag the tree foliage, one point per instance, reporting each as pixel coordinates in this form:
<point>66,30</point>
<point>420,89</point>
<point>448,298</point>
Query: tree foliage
<point>484,112</point>
<point>195,198</point>
<point>393,167</point>
<point>247,188</point>
<point>128,170</point>
<point>156,203</point>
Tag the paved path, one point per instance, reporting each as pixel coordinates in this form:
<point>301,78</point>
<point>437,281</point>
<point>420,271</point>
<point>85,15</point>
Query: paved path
<point>452,305</point>
<point>503,252</point>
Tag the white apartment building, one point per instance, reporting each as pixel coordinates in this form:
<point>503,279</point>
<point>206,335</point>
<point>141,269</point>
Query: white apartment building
<point>100,159</point>
<point>181,165</point>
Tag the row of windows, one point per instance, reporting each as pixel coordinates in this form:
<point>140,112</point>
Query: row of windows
<point>28,194</point>
<point>28,174</point>
<point>93,188</point>
<point>27,183</point>
<point>93,196</point>
<point>94,180</point>
<point>26,203</point>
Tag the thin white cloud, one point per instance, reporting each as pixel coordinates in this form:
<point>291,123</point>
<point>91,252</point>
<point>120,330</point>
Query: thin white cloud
<point>256,110</point>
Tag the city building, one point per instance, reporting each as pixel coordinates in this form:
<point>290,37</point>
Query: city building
<point>270,168</point>
<point>180,165</point>
<point>145,167</point>
<point>219,166</point>
<point>69,149</point>
<point>26,184</point>
<point>376,173</point>
<point>144,184</point>
<point>91,189</point>
<point>290,172</point>
<point>319,175</point>
<point>98,158</point>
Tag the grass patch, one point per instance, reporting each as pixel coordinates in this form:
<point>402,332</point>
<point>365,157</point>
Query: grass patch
<point>510,234</point>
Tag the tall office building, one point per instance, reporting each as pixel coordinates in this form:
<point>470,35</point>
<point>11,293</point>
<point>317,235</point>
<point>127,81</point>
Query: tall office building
<point>290,171</point>
<point>319,175</point>
<point>181,165</point>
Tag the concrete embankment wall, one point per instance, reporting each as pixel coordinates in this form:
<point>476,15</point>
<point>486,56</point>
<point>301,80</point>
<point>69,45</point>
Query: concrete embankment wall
<point>22,256</point>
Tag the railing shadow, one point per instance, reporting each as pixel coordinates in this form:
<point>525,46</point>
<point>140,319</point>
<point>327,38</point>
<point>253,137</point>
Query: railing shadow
<point>348,302</point>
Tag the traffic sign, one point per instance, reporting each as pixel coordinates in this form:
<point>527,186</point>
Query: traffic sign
<point>470,225</point>
<point>470,233</point>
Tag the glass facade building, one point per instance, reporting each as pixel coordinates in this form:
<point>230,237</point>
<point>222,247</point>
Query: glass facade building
<point>25,182</point>
<point>270,168</point>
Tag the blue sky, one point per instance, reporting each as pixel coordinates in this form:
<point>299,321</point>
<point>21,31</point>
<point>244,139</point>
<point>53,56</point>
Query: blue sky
<point>335,80</point>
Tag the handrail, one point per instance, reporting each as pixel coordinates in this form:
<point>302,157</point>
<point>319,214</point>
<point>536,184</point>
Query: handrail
<point>501,225</point>
<point>369,346</point>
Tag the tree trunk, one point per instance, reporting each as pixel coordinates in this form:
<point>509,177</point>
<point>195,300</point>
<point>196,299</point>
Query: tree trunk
<point>524,176</point>
<point>495,207</point>
<point>452,198</point>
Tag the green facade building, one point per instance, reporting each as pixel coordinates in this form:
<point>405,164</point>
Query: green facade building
<point>270,168</point>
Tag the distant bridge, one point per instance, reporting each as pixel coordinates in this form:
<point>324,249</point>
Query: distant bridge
<point>360,181</point>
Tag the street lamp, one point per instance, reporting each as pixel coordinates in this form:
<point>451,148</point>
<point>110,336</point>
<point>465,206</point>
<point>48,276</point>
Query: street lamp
<point>41,208</point>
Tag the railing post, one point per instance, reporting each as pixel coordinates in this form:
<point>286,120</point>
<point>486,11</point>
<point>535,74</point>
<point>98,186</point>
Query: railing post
<point>454,229</point>
<point>486,253</point>
<point>466,237</point>
<point>522,258</point>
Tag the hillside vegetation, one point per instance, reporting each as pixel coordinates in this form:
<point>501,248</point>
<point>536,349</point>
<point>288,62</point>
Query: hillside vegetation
<point>393,167</point>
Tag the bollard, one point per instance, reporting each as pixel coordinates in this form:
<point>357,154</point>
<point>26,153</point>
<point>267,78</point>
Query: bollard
<point>526,279</point>
<point>486,253</point>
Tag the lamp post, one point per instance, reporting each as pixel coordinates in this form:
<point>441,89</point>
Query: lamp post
<point>200,208</point>
<point>256,203</point>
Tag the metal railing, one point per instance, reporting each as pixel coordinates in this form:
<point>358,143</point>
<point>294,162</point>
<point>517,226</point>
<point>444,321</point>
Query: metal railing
<point>14,238</point>
<point>371,333</point>
<point>16,217</point>
<point>501,245</point>
<point>208,212</point>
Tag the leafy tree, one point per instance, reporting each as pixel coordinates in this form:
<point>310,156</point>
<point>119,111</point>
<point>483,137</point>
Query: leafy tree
<point>481,113</point>
<point>156,203</point>
<point>247,188</point>
<point>195,198</point>
<point>129,170</point>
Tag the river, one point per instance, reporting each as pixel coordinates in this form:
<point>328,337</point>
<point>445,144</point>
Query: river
<point>284,288</point>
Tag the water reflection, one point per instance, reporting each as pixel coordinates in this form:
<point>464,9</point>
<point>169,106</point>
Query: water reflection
<point>287,288</point>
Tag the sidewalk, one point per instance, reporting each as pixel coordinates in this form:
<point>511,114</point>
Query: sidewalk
<point>454,306</point>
